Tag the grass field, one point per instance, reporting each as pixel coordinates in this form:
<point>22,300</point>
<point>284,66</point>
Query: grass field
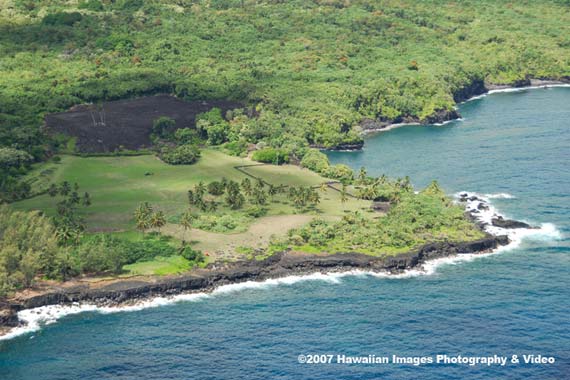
<point>118,184</point>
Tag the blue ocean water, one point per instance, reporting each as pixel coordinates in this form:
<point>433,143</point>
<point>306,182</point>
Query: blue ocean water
<point>513,303</point>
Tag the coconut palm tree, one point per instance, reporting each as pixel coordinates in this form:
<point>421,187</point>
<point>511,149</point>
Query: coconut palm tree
<point>246,186</point>
<point>362,175</point>
<point>53,190</point>
<point>86,201</point>
<point>158,220</point>
<point>186,221</point>
<point>272,191</point>
<point>343,194</point>
<point>65,188</point>
<point>142,216</point>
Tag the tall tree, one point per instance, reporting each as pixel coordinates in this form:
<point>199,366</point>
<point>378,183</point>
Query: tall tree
<point>157,220</point>
<point>186,222</point>
<point>142,216</point>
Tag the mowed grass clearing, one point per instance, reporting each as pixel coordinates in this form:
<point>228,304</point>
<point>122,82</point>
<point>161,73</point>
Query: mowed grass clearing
<point>118,184</point>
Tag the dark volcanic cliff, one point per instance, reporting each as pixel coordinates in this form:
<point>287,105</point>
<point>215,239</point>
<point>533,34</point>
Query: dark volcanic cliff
<point>279,265</point>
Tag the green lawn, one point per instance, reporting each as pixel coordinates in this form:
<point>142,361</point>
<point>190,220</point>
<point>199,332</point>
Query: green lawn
<point>118,184</point>
<point>159,266</point>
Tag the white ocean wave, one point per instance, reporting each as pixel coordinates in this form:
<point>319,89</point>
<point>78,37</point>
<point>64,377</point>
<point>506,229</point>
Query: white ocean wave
<point>447,122</point>
<point>33,319</point>
<point>499,196</point>
<point>516,89</point>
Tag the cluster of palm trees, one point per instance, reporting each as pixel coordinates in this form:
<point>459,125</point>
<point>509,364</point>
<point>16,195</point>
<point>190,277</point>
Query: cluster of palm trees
<point>235,194</point>
<point>69,225</point>
<point>303,195</point>
<point>146,218</point>
<point>370,188</point>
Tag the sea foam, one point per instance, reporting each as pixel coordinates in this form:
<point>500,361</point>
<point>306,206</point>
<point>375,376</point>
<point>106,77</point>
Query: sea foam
<point>516,89</point>
<point>33,319</point>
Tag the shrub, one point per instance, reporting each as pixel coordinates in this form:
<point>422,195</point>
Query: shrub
<point>341,172</point>
<point>92,5</point>
<point>236,148</point>
<point>62,18</point>
<point>186,136</point>
<point>216,188</point>
<point>256,211</point>
<point>213,116</point>
<point>271,156</point>
<point>316,161</point>
<point>192,255</point>
<point>181,155</point>
<point>163,126</point>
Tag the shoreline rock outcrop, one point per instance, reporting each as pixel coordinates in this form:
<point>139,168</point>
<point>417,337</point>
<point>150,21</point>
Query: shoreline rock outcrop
<point>204,280</point>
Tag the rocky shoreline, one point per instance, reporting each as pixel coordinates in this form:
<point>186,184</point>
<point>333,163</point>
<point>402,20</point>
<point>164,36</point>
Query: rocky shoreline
<point>474,89</point>
<point>128,292</point>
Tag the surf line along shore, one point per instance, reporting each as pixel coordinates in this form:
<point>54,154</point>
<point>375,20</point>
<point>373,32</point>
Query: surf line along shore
<point>475,90</point>
<point>125,292</point>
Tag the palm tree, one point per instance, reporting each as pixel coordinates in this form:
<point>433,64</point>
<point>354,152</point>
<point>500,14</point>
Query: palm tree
<point>272,191</point>
<point>53,190</point>
<point>186,221</point>
<point>343,194</point>
<point>86,201</point>
<point>314,196</point>
<point>246,186</point>
<point>157,220</point>
<point>200,189</point>
<point>74,198</point>
<point>142,216</point>
<point>259,196</point>
<point>362,175</point>
<point>65,188</point>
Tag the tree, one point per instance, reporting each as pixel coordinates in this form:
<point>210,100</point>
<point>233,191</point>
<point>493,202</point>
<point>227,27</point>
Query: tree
<point>163,126</point>
<point>157,220</point>
<point>343,194</point>
<point>186,221</point>
<point>74,198</point>
<point>65,188</point>
<point>53,191</point>
<point>259,196</point>
<point>86,200</point>
<point>246,186</point>
<point>272,191</point>
<point>234,198</point>
<point>143,215</point>
<point>362,175</point>
<point>313,196</point>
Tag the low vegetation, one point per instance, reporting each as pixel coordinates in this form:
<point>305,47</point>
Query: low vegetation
<point>289,76</point>
<point>312,70</point>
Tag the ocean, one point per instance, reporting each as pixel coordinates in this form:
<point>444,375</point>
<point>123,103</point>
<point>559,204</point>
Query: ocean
<point>511,148</point>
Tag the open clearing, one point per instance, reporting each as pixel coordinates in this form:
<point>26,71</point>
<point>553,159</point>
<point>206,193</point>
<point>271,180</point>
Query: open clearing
<point>118,184</point>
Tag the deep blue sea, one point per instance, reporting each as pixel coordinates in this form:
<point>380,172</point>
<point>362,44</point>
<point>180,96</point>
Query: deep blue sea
<point>513,303</point>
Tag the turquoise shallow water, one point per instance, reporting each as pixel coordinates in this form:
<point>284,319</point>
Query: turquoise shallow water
<point>516,302</point>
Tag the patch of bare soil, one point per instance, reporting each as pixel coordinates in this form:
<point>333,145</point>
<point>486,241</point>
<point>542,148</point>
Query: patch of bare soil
<point>126,124</point>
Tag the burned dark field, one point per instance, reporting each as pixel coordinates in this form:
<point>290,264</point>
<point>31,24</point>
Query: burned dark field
<point>126,124</point>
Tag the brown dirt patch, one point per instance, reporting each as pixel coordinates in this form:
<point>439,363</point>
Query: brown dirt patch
<point>126,124</point>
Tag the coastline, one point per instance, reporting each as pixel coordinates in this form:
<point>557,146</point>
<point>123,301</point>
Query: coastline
<point>133,293</point>
<point>475,90</point>
<point>24,314</point>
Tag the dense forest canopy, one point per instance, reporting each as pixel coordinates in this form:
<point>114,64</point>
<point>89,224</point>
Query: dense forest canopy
<point>314,69</point>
